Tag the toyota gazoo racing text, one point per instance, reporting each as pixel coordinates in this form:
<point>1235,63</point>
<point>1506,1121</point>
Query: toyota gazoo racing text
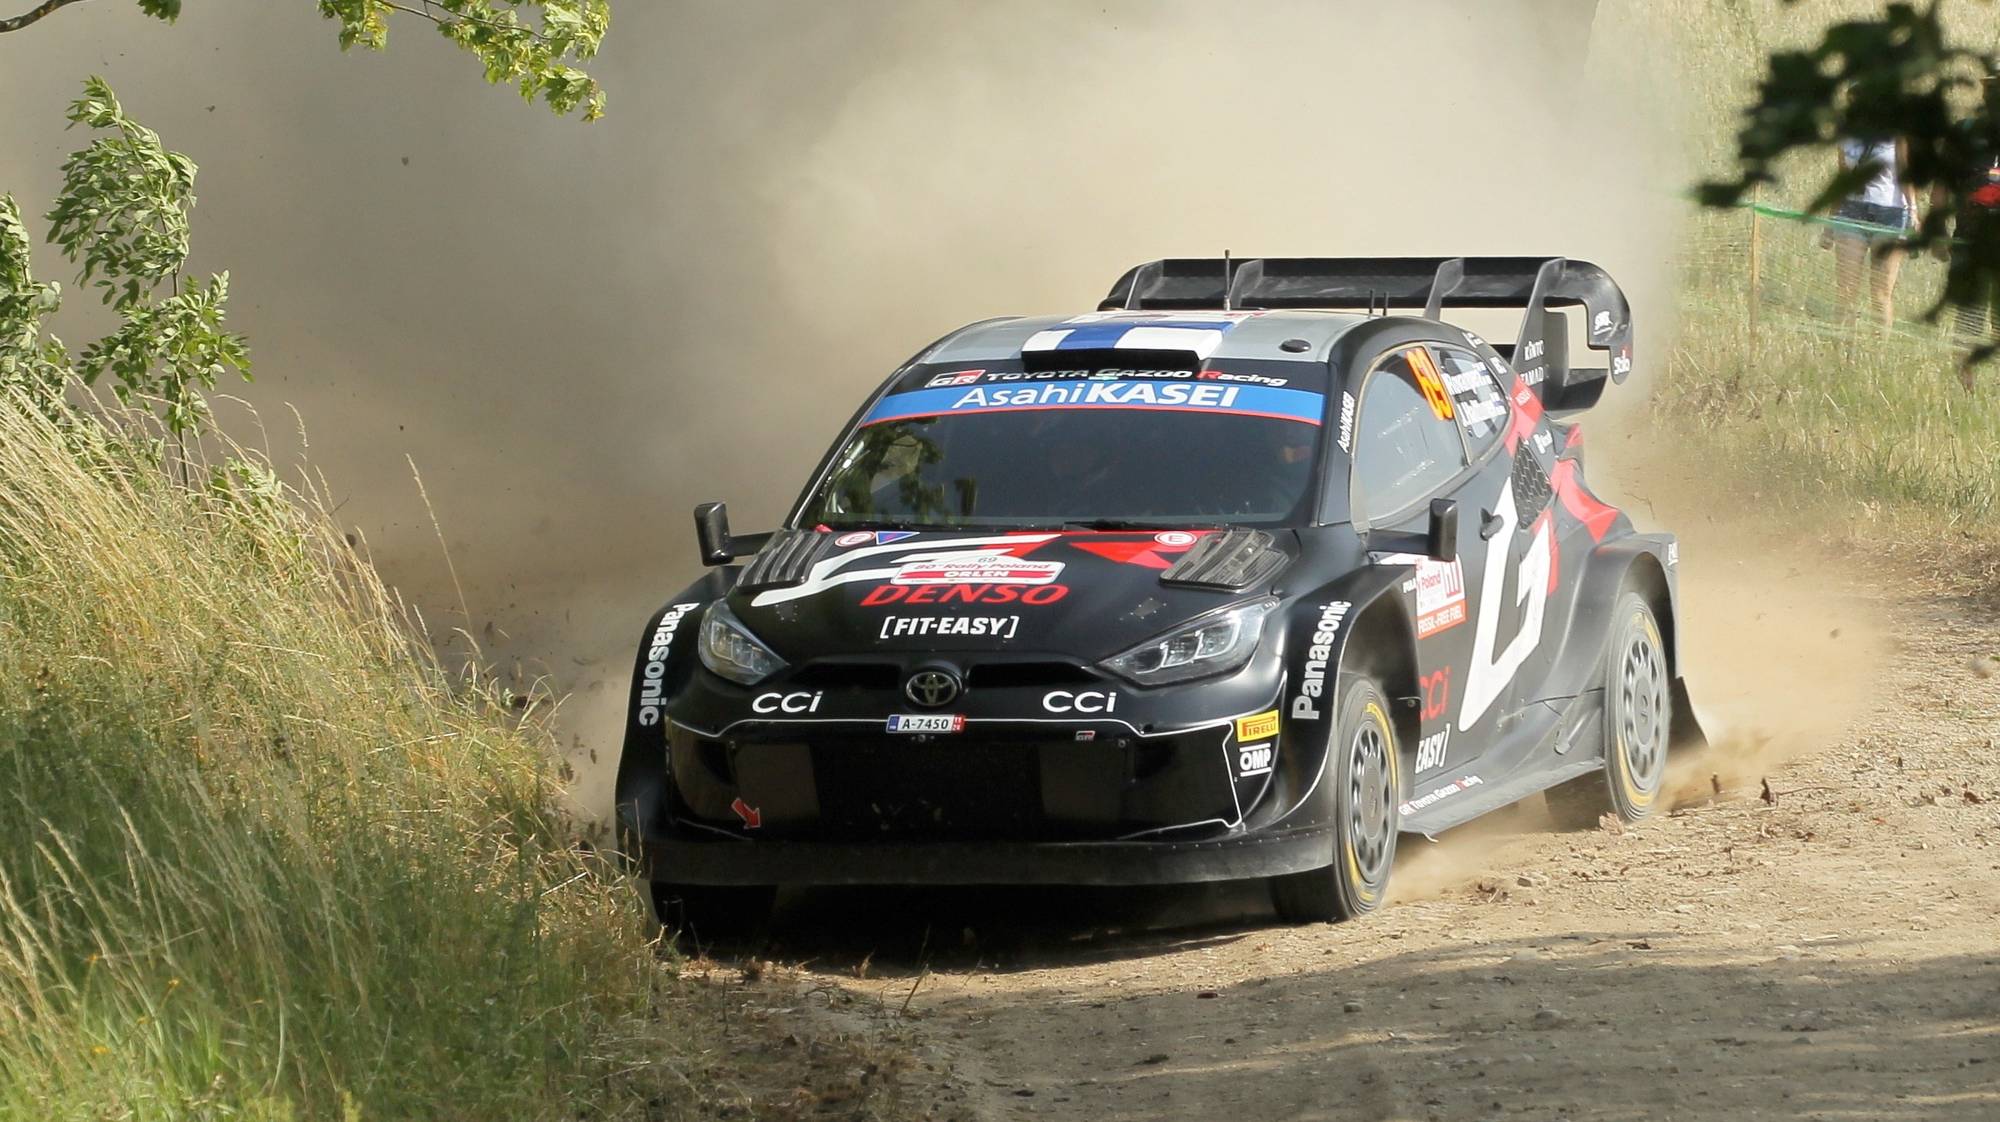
<point>1239,576</point>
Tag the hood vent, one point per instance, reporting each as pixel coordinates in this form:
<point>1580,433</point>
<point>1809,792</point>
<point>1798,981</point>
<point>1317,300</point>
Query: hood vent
<point>784,562</point>
<point>1231,559</point>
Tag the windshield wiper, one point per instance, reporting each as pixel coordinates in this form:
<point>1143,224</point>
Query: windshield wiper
<point>1132,524</point>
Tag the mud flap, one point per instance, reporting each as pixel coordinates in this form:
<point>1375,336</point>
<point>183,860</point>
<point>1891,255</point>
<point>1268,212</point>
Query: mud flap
<point>1686,732</point>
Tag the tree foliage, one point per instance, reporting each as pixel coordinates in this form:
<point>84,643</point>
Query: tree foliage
<point>121,218</point>
<point>1894,74</point>
<point>535,46</point>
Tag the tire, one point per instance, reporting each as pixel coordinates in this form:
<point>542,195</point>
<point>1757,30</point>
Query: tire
<point>704,913</point>
<point>1638,718</point>
<point>1365,766</point>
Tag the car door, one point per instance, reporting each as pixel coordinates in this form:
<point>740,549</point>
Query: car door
<point>1503,505</point>
<point>1409,449</point>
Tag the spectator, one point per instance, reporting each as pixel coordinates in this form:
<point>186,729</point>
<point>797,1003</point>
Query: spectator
<point>1869,234</point>
<point>1973,219</point>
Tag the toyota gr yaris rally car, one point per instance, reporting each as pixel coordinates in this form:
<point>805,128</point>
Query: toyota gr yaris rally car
<point>1241,575</point>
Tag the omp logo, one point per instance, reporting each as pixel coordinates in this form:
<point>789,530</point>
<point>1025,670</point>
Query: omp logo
<point>1254,759</point>
<point>786,703</point>
<point>1080,701</point>
<point>1312,683</point>
<point>1261,726</point>
<point>889,559</point>
<point>1488,673</point>
<point>652,687</point>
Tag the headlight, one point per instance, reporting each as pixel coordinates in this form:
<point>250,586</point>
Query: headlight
<point>1213,644</point>
<point>728,648</point>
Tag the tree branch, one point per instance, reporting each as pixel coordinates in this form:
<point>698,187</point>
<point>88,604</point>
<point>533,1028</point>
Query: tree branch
<point>46,7</point>
<point>426,13</point>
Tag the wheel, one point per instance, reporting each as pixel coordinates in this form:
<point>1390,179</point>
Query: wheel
<point>1638,714</point>
<point>1365,767</point>
<point>708,913</point>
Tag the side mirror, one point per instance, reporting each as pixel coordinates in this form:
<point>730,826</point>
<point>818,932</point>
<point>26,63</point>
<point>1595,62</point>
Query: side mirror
<point>1441,539</point>
<point>711,533</point>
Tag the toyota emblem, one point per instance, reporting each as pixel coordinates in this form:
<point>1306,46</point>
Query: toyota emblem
<point>932,688</point>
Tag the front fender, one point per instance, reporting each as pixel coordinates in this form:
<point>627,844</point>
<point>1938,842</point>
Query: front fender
<point>667,657</point>
<point>1321,630</point>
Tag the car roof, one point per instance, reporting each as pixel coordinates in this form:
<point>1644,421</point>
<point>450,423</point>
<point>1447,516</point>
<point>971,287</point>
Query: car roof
<point>1243,335</point>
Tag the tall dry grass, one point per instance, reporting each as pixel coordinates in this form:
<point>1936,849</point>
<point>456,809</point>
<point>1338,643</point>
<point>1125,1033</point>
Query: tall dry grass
<point>262,858</point>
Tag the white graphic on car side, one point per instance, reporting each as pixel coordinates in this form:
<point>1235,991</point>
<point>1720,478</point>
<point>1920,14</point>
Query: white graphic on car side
<point>1488,675</point>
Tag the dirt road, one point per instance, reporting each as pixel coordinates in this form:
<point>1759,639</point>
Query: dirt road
<point>1831,954</point>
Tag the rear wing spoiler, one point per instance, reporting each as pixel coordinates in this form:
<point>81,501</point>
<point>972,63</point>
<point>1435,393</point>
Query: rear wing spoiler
<point>1531,284</point>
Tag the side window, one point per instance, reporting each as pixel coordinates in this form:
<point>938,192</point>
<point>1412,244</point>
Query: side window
<point>1475,396</point>
<point>1406,442</point>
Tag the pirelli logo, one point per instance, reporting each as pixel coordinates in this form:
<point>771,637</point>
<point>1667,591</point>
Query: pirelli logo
<point>1261,726</point>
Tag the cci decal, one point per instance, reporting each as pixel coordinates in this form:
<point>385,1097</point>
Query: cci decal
<point>1080,701</point>
<point>652,688</point>
<point>1261,726</point>
<point>1312,683</point>
<point>1430,750</point>
<point>1440,596</point>
<point>989,627</point>
<point>1254,759</point>
<point>793,703</point>
<point>1437,693</point>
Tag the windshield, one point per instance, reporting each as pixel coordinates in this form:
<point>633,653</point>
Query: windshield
<point>1159,451</point>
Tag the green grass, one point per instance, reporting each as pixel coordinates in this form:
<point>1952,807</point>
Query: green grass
<point>263,859</point>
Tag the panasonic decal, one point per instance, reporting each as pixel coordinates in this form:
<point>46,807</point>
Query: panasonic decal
<point>652,686</point>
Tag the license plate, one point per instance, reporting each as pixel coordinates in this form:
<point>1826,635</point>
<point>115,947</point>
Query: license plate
<point>926,722</point>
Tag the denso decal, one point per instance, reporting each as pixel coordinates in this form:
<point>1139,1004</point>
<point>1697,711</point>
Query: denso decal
<point>987,627</point>
<point>889,557</point>
<point>1440,596</point>
<point>1080,701</point>
<point>1312,682</point>
<point>1033,594</point>
<point>1094,393</point>
<point>977,568</point>
<point>794,703</point>
<point>1254,759</point>
<point>652,688</point>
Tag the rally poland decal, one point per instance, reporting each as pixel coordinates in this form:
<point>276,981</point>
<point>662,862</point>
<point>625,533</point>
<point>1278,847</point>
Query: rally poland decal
<point>1488,674</point>
<point>987,560</point>
<point>1440,596</point>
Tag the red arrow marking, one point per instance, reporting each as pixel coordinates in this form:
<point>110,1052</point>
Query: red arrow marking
<point>752,818</point>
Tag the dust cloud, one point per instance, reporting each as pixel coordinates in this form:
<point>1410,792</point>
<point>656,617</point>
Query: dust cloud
<point>578,332</point>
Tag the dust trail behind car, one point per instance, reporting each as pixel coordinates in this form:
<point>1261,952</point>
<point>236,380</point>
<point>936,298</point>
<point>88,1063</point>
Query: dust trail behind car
<point>606,325</point>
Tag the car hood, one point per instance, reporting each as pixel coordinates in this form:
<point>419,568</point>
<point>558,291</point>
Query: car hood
<point>1082,595</point>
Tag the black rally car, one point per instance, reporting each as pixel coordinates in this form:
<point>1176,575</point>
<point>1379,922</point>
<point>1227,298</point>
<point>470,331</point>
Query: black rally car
<point>1242,575</point>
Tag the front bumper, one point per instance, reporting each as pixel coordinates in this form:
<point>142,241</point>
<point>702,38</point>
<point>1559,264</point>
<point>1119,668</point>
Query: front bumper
<point>766,861</point>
